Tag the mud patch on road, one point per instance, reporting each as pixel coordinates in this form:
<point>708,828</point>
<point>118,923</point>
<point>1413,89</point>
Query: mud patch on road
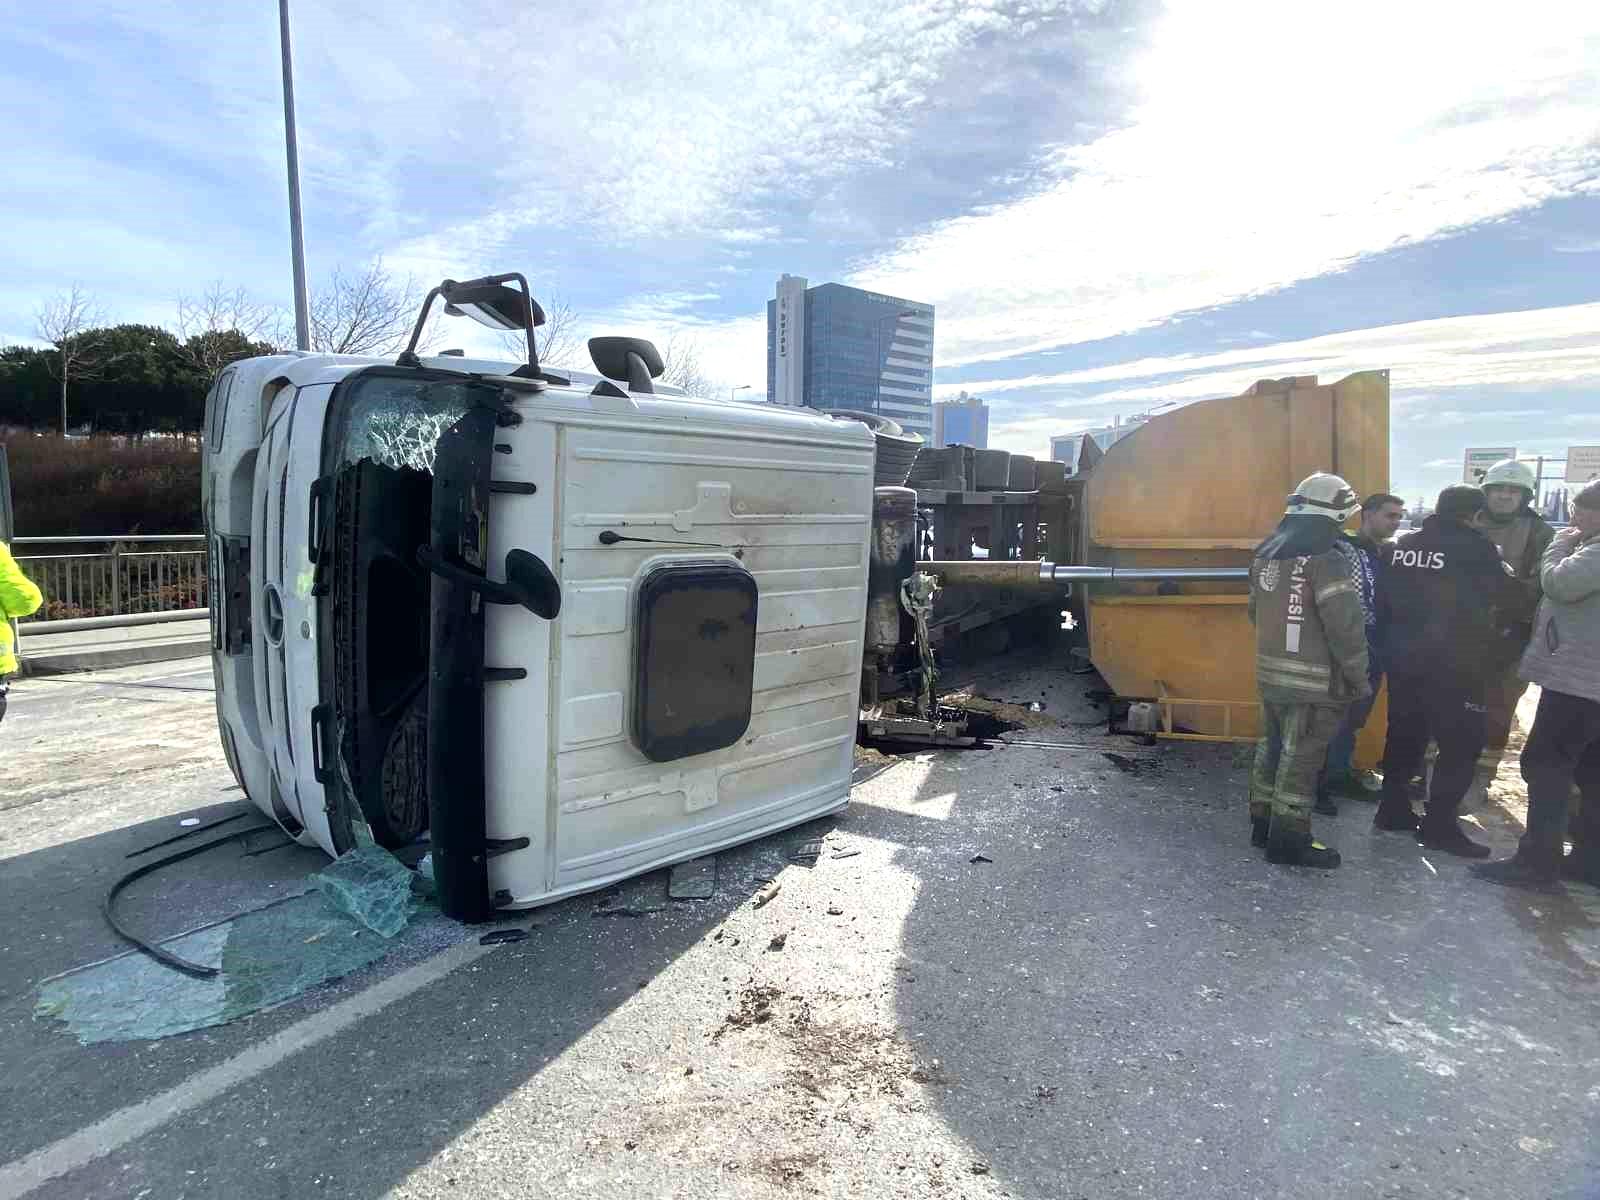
<point>830,1060</point>
<point>788,1169</point>
<point>754,1008</point>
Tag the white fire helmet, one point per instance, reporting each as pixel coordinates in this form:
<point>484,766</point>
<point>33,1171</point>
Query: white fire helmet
<point>1510,472</point>
<point>1323,495</point>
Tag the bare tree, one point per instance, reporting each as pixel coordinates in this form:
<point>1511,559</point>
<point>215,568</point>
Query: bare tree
<point>68,321</point>
<point>366,313</point>
<point>556,340</point>
<point>205,324</point>
<point>682,358</point>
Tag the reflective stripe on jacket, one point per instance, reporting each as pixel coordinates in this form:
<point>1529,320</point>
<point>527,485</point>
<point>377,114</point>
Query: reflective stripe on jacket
<point>1311,642</point>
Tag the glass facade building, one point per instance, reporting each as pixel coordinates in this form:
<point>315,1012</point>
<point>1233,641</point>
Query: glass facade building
<point>963,421</point>
<point>835,347</point>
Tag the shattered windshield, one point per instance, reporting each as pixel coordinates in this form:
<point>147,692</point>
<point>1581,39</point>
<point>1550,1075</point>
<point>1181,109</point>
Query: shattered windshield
<point>396,420</point>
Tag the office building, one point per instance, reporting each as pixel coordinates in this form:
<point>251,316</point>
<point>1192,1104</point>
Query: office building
<point>833,347</point>
<point>963,421</point>
<point>1065,447</point>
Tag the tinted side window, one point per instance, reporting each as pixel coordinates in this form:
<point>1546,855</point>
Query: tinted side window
<point>217,409</point>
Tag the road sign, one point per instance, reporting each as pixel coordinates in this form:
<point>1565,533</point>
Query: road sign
<point>1583,465</point>
<point>1480,460</point>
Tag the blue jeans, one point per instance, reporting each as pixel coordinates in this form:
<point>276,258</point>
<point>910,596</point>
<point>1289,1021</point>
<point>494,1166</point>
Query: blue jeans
<point>1343,747</point>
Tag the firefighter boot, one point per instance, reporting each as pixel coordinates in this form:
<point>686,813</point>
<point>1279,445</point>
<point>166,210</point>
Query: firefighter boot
<point>1299,850</point>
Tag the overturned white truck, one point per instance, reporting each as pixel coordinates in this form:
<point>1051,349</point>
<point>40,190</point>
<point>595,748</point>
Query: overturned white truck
<point>570,626</point>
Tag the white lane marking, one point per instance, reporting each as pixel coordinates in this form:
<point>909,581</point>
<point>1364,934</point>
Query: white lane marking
<point>23,1175</point>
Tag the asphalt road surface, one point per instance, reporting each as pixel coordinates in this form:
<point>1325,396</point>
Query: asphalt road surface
<point>1123,1001</point>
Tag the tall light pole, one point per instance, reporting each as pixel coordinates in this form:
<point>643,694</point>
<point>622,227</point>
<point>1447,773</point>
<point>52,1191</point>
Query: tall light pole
<point>302,310</point>
<point>743,387</point>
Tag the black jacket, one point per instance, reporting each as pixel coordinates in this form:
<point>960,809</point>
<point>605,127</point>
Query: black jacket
<point>1444,584</point>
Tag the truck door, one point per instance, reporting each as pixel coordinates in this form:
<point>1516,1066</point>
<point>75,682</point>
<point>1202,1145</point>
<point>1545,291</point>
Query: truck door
<point>489,540</point>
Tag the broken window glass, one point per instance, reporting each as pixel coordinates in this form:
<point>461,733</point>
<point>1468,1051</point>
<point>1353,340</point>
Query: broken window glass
<point>396,421</point>
<point>354,914</point>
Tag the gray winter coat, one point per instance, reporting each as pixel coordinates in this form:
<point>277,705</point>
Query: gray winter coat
<point>1564,653</point>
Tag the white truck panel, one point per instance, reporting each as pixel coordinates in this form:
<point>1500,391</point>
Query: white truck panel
<point>784,493</point>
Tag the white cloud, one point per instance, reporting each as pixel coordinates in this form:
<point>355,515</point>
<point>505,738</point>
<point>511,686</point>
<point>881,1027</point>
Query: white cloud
<point>1541,347</point>
<point>697,116</point>
<point>1273,143</point>
<point>1496,378</point>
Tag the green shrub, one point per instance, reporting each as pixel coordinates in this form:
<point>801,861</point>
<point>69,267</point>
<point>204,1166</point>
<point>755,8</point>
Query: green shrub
<point>103,485</point>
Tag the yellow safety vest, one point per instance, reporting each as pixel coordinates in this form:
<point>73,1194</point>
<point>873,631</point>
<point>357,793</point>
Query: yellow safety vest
<point>18,598</point>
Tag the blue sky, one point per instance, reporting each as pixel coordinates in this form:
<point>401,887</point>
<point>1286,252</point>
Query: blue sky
<point>1111,205</point>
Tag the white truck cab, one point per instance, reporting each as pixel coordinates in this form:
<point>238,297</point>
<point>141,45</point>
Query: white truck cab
<point>569,627</point>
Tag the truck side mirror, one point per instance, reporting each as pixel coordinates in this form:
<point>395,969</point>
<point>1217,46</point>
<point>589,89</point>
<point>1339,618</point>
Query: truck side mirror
<point>535,584</point>
<point>635,361</point>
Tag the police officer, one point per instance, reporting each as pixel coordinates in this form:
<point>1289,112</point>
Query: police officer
<point>1446,585</point>
<point>1311,662</point>
<point>18,598</point>
<point>1521,536</point>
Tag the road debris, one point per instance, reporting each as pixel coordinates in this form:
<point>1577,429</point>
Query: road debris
<point>779,941</point>
<point>500,937</point>
<point>980,858</point>
<point>629,910</point>
<point>694,880</point>
<point>845,853</point>
<point>807,853</point>
<point>765,895</point>
<point>835,910</point>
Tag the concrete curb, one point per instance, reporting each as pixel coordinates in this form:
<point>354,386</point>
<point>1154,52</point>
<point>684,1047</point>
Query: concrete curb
<point>102,650</point>
<point>104,659</point>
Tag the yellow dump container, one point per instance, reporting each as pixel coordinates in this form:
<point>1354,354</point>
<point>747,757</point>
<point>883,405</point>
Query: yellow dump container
<point>1201,486</point>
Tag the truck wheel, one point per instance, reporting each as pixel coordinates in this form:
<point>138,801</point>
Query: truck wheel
<point>401,811</point>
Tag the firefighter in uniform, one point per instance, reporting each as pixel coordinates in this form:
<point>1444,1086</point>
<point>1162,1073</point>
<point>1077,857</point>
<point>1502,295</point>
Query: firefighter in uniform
<point>1521,536</point>
<point>1311,663</point>
<point>1447,587</point>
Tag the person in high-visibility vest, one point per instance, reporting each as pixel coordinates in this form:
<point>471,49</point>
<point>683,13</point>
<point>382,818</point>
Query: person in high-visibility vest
<point>19,597</point>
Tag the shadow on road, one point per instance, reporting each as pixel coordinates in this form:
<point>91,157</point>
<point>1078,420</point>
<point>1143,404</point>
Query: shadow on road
<point>1129,1001</point>
<point>1124,1000</point>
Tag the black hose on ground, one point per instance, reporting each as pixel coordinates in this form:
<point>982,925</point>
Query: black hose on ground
<point>166,957</point>
<point>188,833</point>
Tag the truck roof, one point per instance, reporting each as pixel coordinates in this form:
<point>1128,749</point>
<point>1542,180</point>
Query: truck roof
<point>303,369</point>
<point>342,364</point>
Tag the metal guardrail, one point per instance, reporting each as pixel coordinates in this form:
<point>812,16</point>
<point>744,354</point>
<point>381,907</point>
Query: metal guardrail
<point>122,579</point>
